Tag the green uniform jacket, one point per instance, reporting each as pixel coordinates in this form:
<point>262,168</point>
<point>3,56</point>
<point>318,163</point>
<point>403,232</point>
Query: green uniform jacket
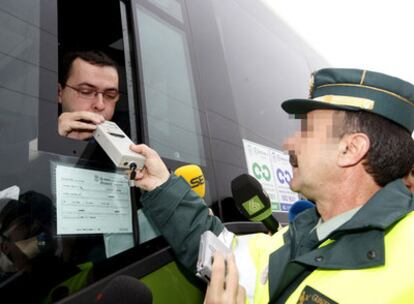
<point>358,244</point>
<point>181,216</point>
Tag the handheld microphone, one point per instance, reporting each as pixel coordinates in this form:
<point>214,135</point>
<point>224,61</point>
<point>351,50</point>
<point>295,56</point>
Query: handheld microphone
<point>298,207</point>
<point>253,202</point>
<point>194,176</point>
<point>124,289</point>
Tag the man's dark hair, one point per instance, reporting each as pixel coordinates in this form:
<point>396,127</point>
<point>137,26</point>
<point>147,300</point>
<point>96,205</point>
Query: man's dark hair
<point>93,57</point>
<point>391,153</point>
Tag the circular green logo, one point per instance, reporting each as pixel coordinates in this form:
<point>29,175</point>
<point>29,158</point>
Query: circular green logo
<point>261,171</point>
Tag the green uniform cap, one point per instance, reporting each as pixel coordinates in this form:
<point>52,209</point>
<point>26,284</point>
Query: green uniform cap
<point>358,90</point>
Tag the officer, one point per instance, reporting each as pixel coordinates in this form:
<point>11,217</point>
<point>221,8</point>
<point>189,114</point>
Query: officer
<point>351,154</point>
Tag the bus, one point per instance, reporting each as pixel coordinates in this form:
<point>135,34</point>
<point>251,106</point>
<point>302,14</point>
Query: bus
<point>200,80</point>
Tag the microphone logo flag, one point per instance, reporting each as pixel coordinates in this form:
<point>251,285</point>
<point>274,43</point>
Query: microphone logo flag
<point>194,176</point>
<point>253,205</point>
<point>197,181</point>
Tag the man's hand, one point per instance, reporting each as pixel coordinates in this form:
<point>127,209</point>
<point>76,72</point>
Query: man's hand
<point>78,125</point>
<point>154,173</point>
<point>224,285</point>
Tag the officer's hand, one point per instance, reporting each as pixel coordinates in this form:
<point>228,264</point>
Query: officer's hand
<point>224,285</point>
<point>154,173</point>
<point>78,125</point>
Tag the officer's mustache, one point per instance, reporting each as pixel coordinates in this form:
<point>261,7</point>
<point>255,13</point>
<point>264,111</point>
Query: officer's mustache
<point>293,159</point>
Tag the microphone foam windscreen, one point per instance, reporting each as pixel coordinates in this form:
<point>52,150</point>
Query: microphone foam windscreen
<point>194,176</point>
<point>124,289</point>
<point>298,207</point>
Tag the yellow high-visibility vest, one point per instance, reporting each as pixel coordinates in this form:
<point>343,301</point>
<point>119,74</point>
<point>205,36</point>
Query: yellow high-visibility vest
<point>389,283</point>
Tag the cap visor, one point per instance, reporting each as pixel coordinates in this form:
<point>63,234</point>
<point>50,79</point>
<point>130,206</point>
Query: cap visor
<point>304,106</point>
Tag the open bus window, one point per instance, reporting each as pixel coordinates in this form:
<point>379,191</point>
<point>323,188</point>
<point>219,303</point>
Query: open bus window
<point>91,84</point>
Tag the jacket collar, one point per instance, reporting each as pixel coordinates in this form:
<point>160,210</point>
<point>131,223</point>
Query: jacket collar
<point>385,207</point>
<point>362,237</point>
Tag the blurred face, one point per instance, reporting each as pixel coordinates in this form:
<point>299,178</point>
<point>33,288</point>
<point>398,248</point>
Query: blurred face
<point>85,79</point>
<point>313,153</point>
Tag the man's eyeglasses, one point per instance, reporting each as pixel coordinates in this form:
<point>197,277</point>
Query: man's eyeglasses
<point>91,93</point>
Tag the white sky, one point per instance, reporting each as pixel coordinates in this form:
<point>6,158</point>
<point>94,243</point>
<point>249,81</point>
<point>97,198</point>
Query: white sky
<point>375,35</point>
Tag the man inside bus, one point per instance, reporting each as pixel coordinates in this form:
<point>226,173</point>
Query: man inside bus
<point>88,92</point>
<point>351,154</point>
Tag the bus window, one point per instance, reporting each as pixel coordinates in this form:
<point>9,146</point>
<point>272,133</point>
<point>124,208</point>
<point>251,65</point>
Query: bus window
<point>87,46</point>
<point>173,111</point>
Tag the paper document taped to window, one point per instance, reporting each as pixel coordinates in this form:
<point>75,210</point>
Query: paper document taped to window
<point>91,201</point>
